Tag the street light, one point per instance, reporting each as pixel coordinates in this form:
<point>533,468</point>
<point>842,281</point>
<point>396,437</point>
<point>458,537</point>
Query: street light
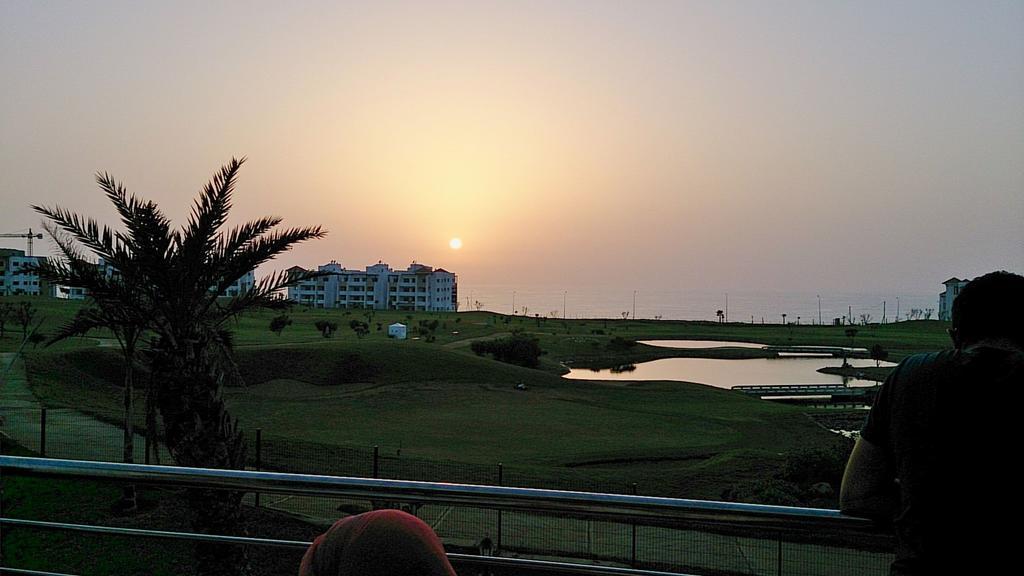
<point>634,304</point>
<point>819,309</point>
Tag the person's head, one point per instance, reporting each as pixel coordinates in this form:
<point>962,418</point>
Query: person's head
<point>378,543</point>
<point>990,307</point>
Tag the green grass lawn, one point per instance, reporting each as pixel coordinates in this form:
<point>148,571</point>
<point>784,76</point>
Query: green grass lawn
<point>438,401</point>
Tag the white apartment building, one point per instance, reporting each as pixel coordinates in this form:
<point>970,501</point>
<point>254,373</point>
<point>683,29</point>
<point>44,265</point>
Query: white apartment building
<point>14,282</point>
<point>243,284</point>
<point>953,287</point>
<point>378,287</point>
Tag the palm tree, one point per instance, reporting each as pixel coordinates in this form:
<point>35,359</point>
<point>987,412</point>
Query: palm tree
<point>180,275</point>
<point>116,302</point>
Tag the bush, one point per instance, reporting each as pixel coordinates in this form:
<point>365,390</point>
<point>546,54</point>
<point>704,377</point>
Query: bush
<point>765,491</point>
<point>360,328</point>
<point>817,465</point>
<point>621,344</point>
<point>517,349</point>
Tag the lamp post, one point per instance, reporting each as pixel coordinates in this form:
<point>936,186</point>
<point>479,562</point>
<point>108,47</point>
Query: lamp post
<point>819,309</point>
<point>564,292</point>
<point>634,304</point>
<point>513,302</point>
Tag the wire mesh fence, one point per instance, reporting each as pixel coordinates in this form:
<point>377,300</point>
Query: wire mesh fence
<point>696,548</point>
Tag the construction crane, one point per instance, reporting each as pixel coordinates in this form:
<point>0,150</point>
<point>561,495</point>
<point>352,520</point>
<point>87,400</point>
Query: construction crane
<point>29,236</point>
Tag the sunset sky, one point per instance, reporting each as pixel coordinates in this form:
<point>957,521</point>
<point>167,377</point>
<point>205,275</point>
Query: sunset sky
<point>716,145</point>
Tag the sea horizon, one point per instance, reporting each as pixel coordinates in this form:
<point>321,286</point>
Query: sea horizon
<point>600,302</point>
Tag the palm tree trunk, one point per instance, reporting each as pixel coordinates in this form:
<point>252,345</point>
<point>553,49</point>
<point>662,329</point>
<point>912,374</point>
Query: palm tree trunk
<point>129,501</point>
<point>152,434</point>
<point>199,432</point>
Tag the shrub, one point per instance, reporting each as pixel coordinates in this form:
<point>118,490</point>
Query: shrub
<point>360,328</point>
<point>621,344</point>
<point>517,349</point>
<point>808,467</point>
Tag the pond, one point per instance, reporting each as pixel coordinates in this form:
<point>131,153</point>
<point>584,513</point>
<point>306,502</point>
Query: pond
<point>728,373</point>
<point>705,344</point>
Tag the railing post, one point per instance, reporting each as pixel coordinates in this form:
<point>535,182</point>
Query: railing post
<point>632,554</point>
<point>376,461</point>
<point>42,432</point>
<point>259,458</point>
<point>498,540</point>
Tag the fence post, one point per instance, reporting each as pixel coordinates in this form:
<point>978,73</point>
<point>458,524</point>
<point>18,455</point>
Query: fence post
<point>498,540</point>
<point>259,457</point>
<point>778,556</point>
<point>376,461</point>
<point>42,432</point>
<point>632,556</point>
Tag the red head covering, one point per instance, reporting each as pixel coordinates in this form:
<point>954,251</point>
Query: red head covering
<point>383,542</point>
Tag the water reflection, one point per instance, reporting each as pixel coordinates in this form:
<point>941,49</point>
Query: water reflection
<point>728,373</point>
<point>691,344</point>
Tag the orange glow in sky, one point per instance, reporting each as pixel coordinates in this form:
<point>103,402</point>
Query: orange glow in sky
<point>718,145</point>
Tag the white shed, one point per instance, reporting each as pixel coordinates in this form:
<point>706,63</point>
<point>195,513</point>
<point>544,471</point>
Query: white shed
<point>397,331</point>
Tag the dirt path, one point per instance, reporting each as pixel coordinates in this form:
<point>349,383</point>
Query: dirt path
<point>468,341</point>
<point>69,433</point>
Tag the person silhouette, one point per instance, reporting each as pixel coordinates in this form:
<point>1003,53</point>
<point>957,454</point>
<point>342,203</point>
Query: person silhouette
<point>939,436</point>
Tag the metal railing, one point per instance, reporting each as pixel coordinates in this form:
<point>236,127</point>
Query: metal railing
<point>731,517</point>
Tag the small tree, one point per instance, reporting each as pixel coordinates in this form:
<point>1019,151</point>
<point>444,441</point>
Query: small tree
<point>24,315</point>
<point>865,319</point>
<point>327,328</point>
<point>783,318</point>
<point>279,323</point>
<point>478,305</point>
<point>878,353</point>
<point>6,313</point>
<point>721,315</point>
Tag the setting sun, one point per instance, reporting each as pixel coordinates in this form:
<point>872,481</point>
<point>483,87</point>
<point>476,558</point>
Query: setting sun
<point>455,243</point>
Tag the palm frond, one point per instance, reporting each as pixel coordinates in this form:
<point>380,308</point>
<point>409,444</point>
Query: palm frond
<point>101,240</point>
<point>85,321</point>
<point>263,249</point>
<point>209,213</point>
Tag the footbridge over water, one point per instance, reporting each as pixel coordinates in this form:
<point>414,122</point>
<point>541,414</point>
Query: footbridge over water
<point>836,393</point>
<point>835,351</point>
